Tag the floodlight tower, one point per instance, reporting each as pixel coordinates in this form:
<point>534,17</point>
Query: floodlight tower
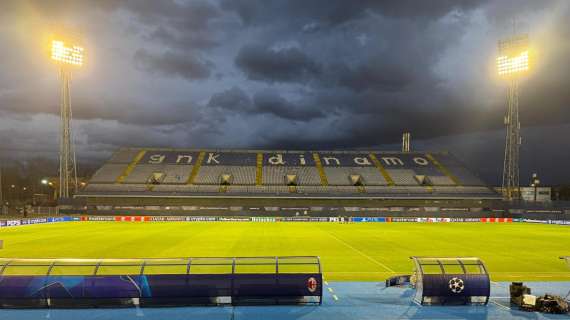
<point>67,56</point>
<point>512,63</point>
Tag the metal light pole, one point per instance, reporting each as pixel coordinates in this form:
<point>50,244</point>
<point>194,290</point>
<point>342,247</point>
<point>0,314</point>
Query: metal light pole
<point>1,193</point>
<point>513,61</point>
<point>67,163</point>
<point>511,184</point>
<point>67,57</point>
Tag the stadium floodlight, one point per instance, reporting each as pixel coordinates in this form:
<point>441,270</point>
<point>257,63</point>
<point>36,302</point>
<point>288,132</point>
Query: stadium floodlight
<point>44,182</point>
<point>513,59</point>
<point>513,62</point>
<point>67,54</point>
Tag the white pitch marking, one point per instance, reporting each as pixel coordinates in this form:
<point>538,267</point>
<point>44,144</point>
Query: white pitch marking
<point>500,305</point>
<point>335,297</point>
<point>365,272</point>
<point>361,253</point>
<point>331,290</point>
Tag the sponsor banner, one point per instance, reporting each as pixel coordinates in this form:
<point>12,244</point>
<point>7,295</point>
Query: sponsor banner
<point>37,220</point>
<point>12,223</point>
<point>24,222</point>
<point>236,219</point>
<point>543,211</point>
<point>368,219</point>
<point>454,209</point>
<point>401,219</point>
<point>535,221</point>
<point>201,219</point>
<point>263,219</point>
<point>559,222</point>
<point>174,218</point>
<point>496,220</point>
<point>98,218</point>
<point>304,219</point>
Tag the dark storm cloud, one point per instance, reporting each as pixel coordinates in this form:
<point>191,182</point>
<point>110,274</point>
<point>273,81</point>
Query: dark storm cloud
<point>334,12</point>
<point>233,99</point>
<point>236,102</point>
<point>183,40</point>
<point>191,15</point>
<point>271,102</point>
<point>181,25</point>
<point>385,77</point>
<point>170,63</point>
<point>285,65</point>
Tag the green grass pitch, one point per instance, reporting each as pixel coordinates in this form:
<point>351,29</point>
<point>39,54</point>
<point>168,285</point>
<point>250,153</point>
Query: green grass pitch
<point>358,251</point>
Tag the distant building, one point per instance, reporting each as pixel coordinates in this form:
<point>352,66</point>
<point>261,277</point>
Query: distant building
<point>543,194</point>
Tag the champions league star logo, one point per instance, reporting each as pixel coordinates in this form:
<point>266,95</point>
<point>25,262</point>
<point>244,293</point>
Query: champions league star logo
<point>456,285</point>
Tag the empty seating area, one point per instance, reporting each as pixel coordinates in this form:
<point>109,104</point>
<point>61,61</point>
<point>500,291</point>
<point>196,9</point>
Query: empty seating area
<point>306,176</point>
<point>240,175</point>
<point>466,177</point>
<point>403,177</point>
<point>108,173</point>
<point>341,175</point>
<point>441,181</point>
<point>141,174</point>
<point>267,173</point>
<point>124,156</point>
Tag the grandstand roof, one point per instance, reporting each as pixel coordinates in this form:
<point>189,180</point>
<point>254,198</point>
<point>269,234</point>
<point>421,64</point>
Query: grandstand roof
<point>298,174</point>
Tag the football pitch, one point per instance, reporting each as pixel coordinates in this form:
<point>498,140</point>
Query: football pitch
<point>352,252</point>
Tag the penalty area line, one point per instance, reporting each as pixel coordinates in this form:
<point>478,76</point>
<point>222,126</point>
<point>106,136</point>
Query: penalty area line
<point>500,305</point>
<point>360,252</point>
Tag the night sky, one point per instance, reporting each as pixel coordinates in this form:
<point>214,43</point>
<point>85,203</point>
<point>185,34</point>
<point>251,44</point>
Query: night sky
<point>310,74</point>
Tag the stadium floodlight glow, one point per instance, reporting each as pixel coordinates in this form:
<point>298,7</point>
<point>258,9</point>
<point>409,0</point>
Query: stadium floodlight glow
<point>66,54</point>
<point>512,65</point>
<point>514,56</point>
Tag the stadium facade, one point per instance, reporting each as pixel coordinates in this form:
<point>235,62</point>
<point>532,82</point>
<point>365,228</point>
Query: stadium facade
<point>162,178</point>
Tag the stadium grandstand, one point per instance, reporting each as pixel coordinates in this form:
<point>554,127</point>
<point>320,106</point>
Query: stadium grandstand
<point>136,176</point>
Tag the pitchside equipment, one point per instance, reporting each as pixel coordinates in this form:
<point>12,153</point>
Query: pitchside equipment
<point>159,282</point>
<point>457,280</point>
<point>567,259</point>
